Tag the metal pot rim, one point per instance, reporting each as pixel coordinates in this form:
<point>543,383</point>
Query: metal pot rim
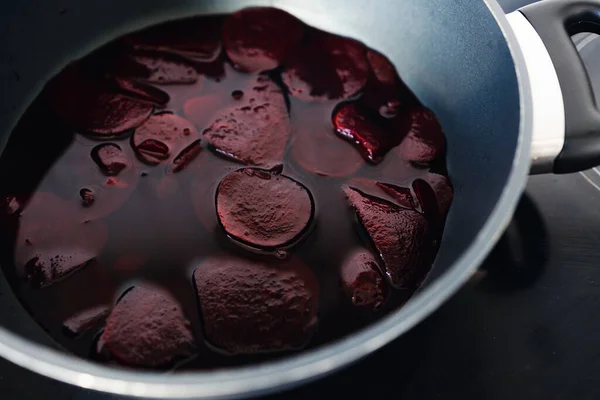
<point>306,366</point>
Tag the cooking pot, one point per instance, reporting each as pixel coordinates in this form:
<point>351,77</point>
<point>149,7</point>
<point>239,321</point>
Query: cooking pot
<point>510,91</point>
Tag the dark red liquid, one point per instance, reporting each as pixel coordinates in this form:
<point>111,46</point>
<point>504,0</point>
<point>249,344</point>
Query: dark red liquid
<point>110,182</point>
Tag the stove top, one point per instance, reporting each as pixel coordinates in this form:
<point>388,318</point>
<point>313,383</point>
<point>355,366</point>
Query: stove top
<point>524,326</point>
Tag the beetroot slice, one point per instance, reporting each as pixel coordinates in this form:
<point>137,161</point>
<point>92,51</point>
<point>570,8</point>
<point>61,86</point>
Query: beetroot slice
<point>110,158</point>
<point>53,241</point>
<point>402,195</point>
<point>362,282</point>
<point>372,135</point>
<point>400,236</point>
<point>257,131</point>
<point>143,91</point>
<point>162,136</point>
<point>398,195</point>
<point>165,71</point>
<point>382,69</point>
<point>259,39</point>
<point>94,106</point>
<point>327,67</point>
<point>148,328</point>
<point>385,92</point>
<point>196,39</point>
<point>186,156</point>
<point>321,153</point>
<point>262,209</point>
<point>442,189</point>
<point>425,140</point>
<point>202,109</point>
<point>44,270</point>
<point>250,306</point>
<point>85,320</point>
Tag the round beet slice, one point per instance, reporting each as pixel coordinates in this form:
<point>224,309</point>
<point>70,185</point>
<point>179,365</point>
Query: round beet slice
<point>328,67</point>
<point>372,135</point>
<point>148,328</point>
<point>259,39</point>
<point>425,140</point>
<point>162,137</point>
<point>321,153</point>
<point>93,106</point>
<point>362,282</point>
<point>401,237</point>
<point>251,306</point>
<point>255,132</point>
<point>263,209</point>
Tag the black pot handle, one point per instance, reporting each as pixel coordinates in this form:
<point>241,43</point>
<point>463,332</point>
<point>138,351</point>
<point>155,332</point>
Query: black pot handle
<point>555,22</point>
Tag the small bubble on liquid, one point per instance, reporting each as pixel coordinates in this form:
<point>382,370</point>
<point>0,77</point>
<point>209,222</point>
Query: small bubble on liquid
<point>143,173</point>
<point>237,94</point>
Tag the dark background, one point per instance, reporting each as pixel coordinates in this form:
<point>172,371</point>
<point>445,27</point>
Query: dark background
<point>527,325</point>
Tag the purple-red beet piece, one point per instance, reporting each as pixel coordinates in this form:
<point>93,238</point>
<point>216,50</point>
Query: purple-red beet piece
<point>442,189</point>
<point>263,209</point>
<point>401,237</point>
<point>202,109</point>
<point>259,39</point>
<point>401,195</point>
<point>362,282</point>
<point>186,156</point>
<point>398,195</point>
<point>148,328</point>
<point>94,106</point>
<point>196,39</point>
<point>255,132</point>
<point>110,158</point>
<point>52,240</point>
<point>371,134</point>
<point>425,140</point>
<point>385,92</point>
<point>166,71</point>
<point>43,270</point>
<point>321,153</point>
<point>162,136</point>
<point>327,67</point>
<point>85,320</point>
<point>251,306</point>
<point>142,91</point>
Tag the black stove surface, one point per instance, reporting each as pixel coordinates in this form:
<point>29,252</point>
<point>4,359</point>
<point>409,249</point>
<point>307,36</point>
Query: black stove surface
<point>525,326</point>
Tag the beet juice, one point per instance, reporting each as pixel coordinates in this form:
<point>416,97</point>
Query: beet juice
<point>221,190</point>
